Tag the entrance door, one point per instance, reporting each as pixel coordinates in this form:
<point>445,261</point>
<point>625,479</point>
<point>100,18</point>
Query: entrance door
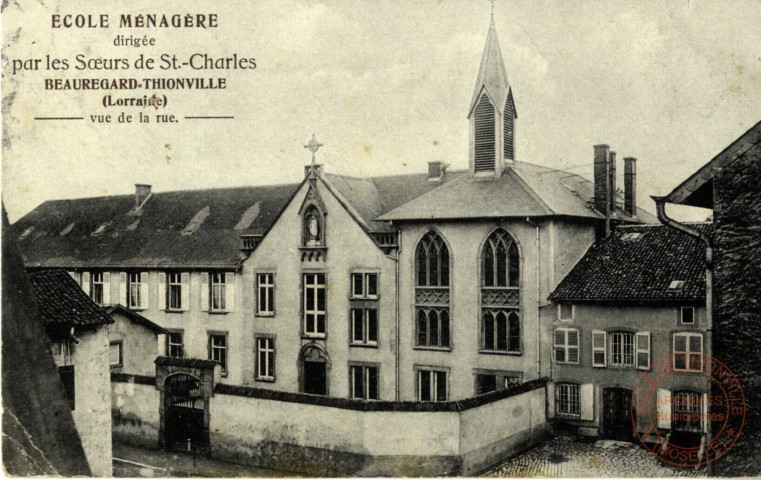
<point>185,414</point>
<point>617,419</point>
<point>315,378</point>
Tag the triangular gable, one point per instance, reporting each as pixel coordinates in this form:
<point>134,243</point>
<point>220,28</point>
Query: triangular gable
<point>312,198</point>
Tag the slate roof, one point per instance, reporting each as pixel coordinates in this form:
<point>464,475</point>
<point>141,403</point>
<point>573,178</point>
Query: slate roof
<point>62,303</point>
<point>201,229</point>
<point>135,317</point>
<point>524,190</point>
<point>621,269</point>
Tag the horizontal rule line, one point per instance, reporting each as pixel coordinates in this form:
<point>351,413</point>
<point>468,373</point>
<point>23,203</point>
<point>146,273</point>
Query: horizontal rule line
<point>59,118</point>
<point>210,117</point>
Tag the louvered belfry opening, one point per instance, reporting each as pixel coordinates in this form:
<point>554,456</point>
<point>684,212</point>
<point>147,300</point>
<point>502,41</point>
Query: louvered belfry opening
<point>484,132</point>
<point>508,124</point>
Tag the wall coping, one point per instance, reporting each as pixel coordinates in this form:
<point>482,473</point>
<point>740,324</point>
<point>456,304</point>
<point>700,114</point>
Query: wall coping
<point>382,405</point>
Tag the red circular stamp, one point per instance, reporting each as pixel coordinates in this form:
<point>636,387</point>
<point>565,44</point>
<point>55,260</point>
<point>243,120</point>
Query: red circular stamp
<point>688,410</point>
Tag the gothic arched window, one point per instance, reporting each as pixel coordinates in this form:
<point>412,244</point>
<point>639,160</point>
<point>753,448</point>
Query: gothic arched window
<point>500,294</point>
<point>432,263</point>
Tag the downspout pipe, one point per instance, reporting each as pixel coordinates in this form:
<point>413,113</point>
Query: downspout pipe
<point>397,332</point>
<point>660,205</point>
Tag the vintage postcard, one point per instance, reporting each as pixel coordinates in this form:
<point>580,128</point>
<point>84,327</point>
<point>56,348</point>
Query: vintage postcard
<point>372,238</point>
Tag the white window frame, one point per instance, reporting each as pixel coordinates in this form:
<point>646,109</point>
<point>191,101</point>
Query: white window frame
<point>170,344</point>
<point>265,294</point>
<point>213,349</point>
<point>681,315</point>
<point>365,340</point>
<point>688,354</point>
<point>265,358</point>
<point>365,371</point>
<point>98,278</point>
<point>120,343</point>
<point>568,399</point>
<point>218,292</point>
<point>134,290</point>
<point>433,384</point>
<point>365,285</point>
<point>313,287</point>
<point>560,312</point>
<point>622,335</point>
<point>174,281</point>
<point>566,345</point>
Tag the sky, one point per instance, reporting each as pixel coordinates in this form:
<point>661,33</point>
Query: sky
<point>385,86</point>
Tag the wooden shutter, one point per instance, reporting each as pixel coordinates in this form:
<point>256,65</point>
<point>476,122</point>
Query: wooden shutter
<point>559,351</point>
<point>230,292</point>
<point>643,350</point>
<point>106,288</point>
<point>599,348</point>
<point>162,291</point>
<point>86,283</point>
<point>185,293</point>
<point>573,346</point>
<point>77,277</point>
<point>484,136</point>
<point>587,399</point>
<point>123,288</point>
<point>144,290</point>
<point>205,292</point>
<point>663,408</point>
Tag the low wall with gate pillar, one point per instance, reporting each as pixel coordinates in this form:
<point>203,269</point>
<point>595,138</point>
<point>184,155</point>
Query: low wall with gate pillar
<point>331,436</point>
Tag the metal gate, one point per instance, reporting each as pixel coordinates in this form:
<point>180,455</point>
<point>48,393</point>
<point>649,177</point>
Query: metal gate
<point>185,410</point>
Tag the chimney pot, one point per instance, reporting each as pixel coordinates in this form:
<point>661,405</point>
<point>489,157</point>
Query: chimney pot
<point>630,186</point>
<point>141,193</point>
<point>435,170</point>
<point>601,177</point>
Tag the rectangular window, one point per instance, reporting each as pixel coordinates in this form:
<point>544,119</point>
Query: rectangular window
<point>486,383</point>
<point>688,315</point>
<point>314,304</point>
<point>492,380</point>
<point>364,285</point>
<point>218,292</point>
<point>432,386</point>
<point>364,326</point>
<point>97,288</point>
<point>175,347</point>
<point>432,327</point>
<point>115,353</point>
<point>599,348</point>
<point>265,358</point>
<point>134,289</point>
<point>67,379</point>
<point>265,290</point>
<point>568,399</point>
<point>566,345</point>
<point>565,311</point>
<point>363,382</point>
<point>688,349</point>
<point>621,349</point>
<point>174,282</point>
<point>218,350</point>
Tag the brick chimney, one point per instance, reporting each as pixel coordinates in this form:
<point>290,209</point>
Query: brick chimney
<point>142,191</point>
<point>612,180</point>
<point>601,178</point>
<point>435,171</point>
<point>630,185</point>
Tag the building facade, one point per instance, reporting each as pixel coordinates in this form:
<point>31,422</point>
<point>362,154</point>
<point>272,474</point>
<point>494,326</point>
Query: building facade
<point>636,299</point>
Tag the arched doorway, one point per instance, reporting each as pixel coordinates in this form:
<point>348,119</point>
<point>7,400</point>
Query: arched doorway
<point>314,366</point>
<point>185,407</point>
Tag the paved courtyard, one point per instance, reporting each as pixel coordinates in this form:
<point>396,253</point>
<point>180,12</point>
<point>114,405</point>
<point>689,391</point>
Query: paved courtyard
<point>570,456</point>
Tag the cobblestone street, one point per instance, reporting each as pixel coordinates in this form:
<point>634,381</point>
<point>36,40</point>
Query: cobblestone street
<point>570,456</point>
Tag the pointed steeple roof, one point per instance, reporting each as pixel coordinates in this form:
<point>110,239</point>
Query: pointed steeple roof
<point>492,75</point>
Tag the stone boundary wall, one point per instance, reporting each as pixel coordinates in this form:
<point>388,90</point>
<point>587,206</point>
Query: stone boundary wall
<point>336,436</point>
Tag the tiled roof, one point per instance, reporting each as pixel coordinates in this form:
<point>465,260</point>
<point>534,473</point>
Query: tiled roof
<point>523,190</point>
<point>622,268</point>
<point>135,317</point>
<point>202,228</point>
<point>63,303</point>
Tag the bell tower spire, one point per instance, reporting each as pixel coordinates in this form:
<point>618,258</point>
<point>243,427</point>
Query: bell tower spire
<point>492,112</point>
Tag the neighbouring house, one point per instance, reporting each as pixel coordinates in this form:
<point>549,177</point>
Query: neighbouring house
<point>636,297</point>
<point>134,342</point>
<point>730,185</point>
<point>78,332</point>
<point>36,414</point>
